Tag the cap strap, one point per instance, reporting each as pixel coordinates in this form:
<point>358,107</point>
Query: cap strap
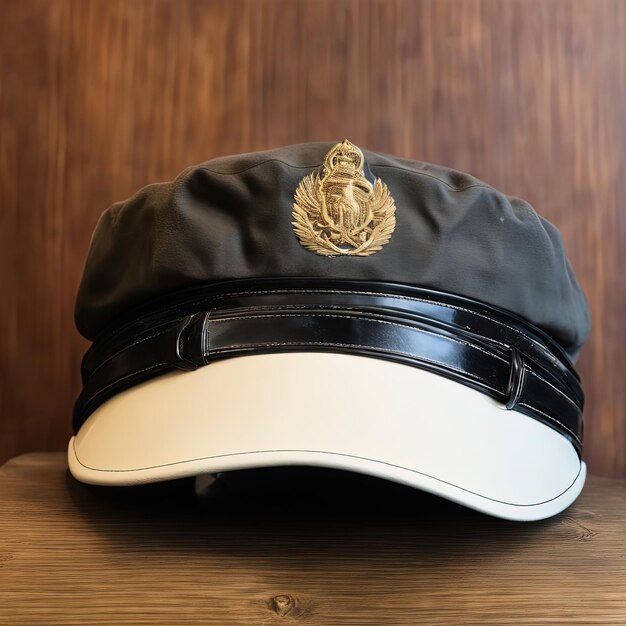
<point>475,347</point>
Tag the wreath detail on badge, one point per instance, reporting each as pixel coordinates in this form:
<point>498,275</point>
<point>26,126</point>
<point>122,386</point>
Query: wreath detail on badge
<point>338,211</point>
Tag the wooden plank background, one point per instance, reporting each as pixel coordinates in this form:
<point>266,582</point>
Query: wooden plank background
<point>100,97</point>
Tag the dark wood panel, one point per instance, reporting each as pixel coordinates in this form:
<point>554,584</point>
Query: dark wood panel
<point>100,97</point>
<point>351,551</point>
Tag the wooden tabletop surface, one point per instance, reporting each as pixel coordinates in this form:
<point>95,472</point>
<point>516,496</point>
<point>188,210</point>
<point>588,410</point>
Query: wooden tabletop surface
<point>296,545</point>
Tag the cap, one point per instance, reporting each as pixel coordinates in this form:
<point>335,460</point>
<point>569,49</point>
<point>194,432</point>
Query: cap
<point>325,305</point>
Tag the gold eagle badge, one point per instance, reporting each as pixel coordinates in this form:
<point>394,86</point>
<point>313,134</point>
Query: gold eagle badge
<point>338,211</point>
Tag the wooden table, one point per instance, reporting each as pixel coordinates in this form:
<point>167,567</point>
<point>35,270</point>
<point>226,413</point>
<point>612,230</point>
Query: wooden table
<point>307,546</point>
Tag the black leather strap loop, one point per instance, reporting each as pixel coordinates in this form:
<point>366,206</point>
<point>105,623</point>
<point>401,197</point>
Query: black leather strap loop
<point>517,378</point>
<point>465,341</point>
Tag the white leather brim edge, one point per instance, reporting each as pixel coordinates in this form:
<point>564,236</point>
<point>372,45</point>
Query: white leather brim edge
<point>342,411</point>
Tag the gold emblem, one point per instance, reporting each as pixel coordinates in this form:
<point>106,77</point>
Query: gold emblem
<point>338,211</point>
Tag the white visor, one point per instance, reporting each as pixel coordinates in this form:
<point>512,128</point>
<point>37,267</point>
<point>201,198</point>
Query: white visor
<point>342,411</point>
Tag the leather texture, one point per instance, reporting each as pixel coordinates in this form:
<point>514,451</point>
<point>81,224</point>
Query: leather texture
<point>469,341</point>
<point>231,218</point>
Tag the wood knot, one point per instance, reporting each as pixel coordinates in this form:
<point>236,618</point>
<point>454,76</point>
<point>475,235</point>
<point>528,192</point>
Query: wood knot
<point>283,604</point>
<point>290,606</point>
<point>287,605</point>
<point>5,558</point>
<point>581,532</point>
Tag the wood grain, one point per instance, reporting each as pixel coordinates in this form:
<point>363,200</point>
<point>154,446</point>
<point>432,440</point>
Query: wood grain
<point>100,97</point>
<point>310,548</point>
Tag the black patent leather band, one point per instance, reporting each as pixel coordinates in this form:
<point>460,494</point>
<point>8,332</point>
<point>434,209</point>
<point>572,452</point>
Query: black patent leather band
<point>466,341</point>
